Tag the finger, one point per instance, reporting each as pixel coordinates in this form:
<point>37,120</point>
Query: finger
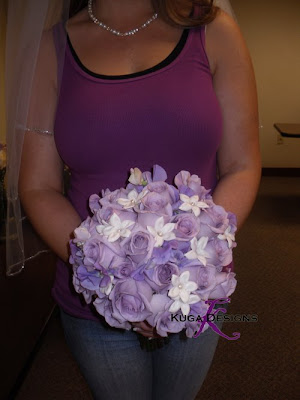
<point>143,326</point>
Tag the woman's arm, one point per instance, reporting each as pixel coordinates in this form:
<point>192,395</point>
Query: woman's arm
<point>239,160</point>
<point>40,188</point>
<point>41,172</point>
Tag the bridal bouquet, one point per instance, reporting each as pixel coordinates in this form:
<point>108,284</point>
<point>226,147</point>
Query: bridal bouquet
<point>154,252</point>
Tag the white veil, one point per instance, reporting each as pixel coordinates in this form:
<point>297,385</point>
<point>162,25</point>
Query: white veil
<point>28,22</point>
<point>25,68</point>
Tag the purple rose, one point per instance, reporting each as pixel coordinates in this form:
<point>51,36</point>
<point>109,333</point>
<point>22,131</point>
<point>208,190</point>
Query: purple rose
<point>101,252</point>
<point>87,294</point>
<point>153,206</point>
<point>184,178</point>
<point>161,317</point>
<point>213,220</point>
<point>159,277</point>
<point>105,213</point>
<point>220,254</point>
<point>110,206</point>
<point>207,278</point>
<point>104,308</point>
<point>110,199</point>
<point>123,269</point>
<point>187,226</point>
<point>139,245</point>
<point>167,192</point>
<point>131,300</point>
<point>225,288</point>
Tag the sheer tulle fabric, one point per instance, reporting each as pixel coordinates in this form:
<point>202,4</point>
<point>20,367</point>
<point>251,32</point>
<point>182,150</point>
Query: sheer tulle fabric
<point>32,76</point>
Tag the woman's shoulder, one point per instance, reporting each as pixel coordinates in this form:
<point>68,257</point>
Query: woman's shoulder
<point>223,39</point>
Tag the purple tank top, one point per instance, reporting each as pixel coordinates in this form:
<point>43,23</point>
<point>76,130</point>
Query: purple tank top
<point>167,115</point>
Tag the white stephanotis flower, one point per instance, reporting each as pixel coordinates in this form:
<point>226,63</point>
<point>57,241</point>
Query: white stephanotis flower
<point>107,289</point>
<point>133,199</point>
<point>181,293</point>
<point>227,235</point>
<point>192,203</point>
<point>115,228</point>
<point>161,232</point>
<point>198,250</point>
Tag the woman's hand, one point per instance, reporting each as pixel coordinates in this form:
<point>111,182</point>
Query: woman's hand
<point>145,329</point>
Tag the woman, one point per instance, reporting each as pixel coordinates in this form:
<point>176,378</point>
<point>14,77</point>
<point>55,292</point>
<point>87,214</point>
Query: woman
<point>162,94</point>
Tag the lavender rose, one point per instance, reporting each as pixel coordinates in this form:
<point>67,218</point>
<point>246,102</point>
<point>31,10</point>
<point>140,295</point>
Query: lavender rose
<point>104,308</point>
<point>101,252</point>
<point>219,252</point>
<point>213,220</point>
<point>184,178</point>
<point>161,317</point>
<point>131,300</point>
<point>167,192</point>
<point>153,206</point>
<point>225,288</point>
<point>123,268</point>
<point>187,226</point>
<point>139,245</point>
<point>159,277</point>
<point>207,278</point>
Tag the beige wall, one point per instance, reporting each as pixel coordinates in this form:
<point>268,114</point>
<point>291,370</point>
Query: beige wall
<point>272,32</point>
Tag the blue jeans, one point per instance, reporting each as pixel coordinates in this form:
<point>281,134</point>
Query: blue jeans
<point>116,366</point>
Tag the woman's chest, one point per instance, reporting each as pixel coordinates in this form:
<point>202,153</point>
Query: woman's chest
<point>108,54</point>
<point>166,116</point>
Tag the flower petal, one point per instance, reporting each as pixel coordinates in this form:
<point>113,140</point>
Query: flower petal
<point>191,255</point>
<point>174,292</point>
<point>194,198</point>
<point>113,236</point>
<point>151,230</point>
<point>168,228</point>
<point>175,280</point>
<point>185,308</point>
<point>175,306</point>
<point>191,286</point>
<point>184,198</point>
<point>184,295</point>
<point>185,207</point>
<point>196,211</point>
<point>127,223</point>
<point>194,298</point>
<point>115,220</point>
<point>184,277</point>
<point>159,223</point>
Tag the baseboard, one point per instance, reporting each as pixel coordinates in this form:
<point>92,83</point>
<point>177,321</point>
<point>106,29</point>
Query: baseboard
<point>281,172</point>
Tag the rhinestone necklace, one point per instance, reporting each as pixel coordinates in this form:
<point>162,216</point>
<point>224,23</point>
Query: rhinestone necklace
<point>114,31</point>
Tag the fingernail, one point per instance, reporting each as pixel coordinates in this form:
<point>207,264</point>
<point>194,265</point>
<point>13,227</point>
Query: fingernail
<point>136,329</point>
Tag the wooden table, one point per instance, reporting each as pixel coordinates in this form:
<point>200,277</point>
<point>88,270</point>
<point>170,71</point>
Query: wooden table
<point>288,130</point>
